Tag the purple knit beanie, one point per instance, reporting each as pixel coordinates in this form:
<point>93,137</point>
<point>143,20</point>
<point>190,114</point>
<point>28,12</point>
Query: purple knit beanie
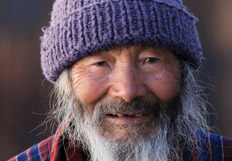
<point>79,28</point>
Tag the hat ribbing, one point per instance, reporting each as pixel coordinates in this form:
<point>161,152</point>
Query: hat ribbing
<point>80,28</point>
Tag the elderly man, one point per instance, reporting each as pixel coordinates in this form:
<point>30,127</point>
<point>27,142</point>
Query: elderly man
<point>123,72</point>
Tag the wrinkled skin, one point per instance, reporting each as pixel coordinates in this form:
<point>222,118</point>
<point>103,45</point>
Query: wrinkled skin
<point>140,72</point>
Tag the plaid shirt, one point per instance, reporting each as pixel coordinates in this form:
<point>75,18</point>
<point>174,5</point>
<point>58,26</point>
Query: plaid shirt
<point>212,148</point>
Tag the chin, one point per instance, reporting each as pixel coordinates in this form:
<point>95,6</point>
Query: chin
<point>129,132</point>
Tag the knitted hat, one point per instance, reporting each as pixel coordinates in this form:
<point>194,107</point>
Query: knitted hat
<point>79,28</point>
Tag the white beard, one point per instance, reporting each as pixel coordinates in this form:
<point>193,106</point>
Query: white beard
<point>138,148</point>
<point>162,145</point>
<point>155,148</point>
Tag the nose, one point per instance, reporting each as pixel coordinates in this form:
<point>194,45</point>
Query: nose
<point>127,84</point>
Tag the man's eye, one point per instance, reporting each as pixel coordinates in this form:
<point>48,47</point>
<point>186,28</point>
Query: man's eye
<point>150,60</point>
<point>101,63</point>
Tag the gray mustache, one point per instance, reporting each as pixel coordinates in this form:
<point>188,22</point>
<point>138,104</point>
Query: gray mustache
<point>135,106</point>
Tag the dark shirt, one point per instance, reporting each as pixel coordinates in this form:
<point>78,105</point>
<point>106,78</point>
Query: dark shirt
<point>211,148</point>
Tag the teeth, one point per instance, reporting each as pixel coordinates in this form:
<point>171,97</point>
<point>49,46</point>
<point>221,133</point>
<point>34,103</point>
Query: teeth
<point>119,115</point>
<point>138,115</point>
<point>125,115</point>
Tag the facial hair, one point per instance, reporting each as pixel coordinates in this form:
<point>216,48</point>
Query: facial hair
<point>91,133</point>
<point>171,129</point>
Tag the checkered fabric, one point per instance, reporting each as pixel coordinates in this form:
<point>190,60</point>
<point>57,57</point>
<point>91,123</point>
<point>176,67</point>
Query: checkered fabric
<point>212,148</point>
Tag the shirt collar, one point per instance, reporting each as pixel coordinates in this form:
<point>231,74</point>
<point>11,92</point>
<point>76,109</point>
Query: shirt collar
<point>61,150</point>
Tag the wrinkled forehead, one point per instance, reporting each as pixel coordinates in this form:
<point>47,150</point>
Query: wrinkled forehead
<point>131,48</point>
<point>136,50</point>
<point>131,55</point>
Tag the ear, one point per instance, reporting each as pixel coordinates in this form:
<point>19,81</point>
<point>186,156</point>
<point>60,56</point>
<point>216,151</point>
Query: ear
<point>66,83</point>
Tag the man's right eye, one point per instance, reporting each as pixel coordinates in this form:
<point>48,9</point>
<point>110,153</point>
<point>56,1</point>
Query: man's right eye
<point>101,63</point>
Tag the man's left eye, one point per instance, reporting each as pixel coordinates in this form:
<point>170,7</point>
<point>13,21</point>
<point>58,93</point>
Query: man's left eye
<point>150,60</point>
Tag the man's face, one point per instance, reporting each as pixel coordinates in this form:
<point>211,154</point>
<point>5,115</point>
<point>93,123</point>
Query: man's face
<point>128,75</point>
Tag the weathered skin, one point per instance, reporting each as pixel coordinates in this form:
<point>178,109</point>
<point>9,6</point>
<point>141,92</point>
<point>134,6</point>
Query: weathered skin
<point>126,73</point>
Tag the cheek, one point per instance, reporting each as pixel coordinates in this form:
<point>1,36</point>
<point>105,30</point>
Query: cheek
<point>88,88</point>
<point>165,85</point>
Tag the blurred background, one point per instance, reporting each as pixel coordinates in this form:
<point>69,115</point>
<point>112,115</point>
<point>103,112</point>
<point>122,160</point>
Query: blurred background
<point>24,93</point>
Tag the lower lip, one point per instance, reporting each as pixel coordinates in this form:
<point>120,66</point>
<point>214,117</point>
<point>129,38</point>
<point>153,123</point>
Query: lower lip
<point>129,120</point>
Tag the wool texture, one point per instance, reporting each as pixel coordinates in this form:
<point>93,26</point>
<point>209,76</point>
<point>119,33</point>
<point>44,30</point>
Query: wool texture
<point>80,28</point>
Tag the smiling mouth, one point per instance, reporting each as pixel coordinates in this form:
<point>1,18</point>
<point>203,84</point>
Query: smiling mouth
<point>128,118</point>
<point>125,115</point>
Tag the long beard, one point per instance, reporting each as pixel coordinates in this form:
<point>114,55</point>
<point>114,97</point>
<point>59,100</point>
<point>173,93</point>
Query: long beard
<point>161,142</point>
<point>101,149</point>
<point>167,133</point>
